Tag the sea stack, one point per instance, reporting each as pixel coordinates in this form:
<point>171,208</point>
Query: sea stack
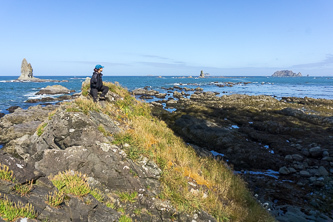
<point>202,74</point>
<point>26,71</point>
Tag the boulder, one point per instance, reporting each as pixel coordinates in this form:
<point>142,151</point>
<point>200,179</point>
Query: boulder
<point>55,89</point>
<point>304,173</point>
<point>177,94</point>
<point>161,95</point>
<point>284,170</point>
<point>22,122</point>
<point>322,171</point>
<point>12,109</point>
<point>316,152</point>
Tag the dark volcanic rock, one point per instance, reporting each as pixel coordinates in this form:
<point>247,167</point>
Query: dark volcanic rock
<point>260,133</point>
<point>12,109</point>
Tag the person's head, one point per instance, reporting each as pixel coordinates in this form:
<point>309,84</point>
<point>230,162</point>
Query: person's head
<point>98,68</point>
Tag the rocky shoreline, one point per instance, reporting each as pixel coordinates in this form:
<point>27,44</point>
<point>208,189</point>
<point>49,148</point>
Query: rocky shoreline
<point>44,141</point>
<point>282,148</point>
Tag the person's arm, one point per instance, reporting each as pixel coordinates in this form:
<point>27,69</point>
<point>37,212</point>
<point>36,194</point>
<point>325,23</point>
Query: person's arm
<point>94,78</point>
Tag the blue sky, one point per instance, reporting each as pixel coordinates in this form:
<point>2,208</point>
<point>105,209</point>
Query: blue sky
<point>167,37</point>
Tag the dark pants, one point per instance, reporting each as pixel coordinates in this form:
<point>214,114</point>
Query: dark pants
<point>94,92</point>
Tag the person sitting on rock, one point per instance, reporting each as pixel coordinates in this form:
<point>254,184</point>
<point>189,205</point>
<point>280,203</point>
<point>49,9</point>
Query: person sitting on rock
<point>96,84</point>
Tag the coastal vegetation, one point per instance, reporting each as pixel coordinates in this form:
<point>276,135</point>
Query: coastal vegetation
<point>121,159</point>
<point>219,191</point>
<point>191,184</point>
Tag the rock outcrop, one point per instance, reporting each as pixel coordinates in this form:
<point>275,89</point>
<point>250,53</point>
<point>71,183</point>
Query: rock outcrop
<point>282,148</point>
<point>55,89</point>
<point>202,74</point>
<point>27,74</point>
<point>286,73</point>
<point>42,142</point>
<point>26,71</point>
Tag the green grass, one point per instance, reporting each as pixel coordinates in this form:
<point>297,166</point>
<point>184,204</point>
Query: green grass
<point>128,197</point>
<point>40,129</point>
<point>11,211</point>
<point>23,189</point>
<point>125,218</point>
<point>102,130</point>
<point>110,205</point>
<point>71,182</point>
<point>6,174</point>
<point>97,194</point>
<point>74,183</point>
<point>55,199</point>
<point>137,211</point>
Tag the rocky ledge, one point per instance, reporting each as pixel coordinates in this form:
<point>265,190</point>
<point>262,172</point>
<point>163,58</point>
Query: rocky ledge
<point>42,142</point>
<point>282,148</point>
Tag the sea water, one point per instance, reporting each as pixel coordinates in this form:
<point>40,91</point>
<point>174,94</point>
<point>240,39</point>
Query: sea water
<point>16,93</point>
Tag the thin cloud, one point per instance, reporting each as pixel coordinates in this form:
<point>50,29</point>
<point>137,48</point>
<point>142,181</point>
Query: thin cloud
<point>155,57</point>
<point>326,62</point>
<point>164,64</point>
<point>94,63</point>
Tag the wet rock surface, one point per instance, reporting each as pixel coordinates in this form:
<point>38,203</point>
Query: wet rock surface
<point>282,148</point>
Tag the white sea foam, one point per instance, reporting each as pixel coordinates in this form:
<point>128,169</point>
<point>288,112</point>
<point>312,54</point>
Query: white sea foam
<point>8,80</point>
<point>270,173</point>
<point>32,95</point>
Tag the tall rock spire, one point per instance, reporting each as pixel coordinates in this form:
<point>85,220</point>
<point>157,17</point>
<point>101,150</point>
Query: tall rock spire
<point>26,71</point>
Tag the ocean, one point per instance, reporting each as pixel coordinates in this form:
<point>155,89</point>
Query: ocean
<point>16,93</point>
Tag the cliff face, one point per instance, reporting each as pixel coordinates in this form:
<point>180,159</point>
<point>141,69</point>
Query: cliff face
<point>286,73</point>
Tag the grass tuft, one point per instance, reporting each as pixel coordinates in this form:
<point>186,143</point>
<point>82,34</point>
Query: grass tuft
<point>6,174</point>
<point>97,194</point>
<point>55,199</point>
<point>11,211</point>
<point>128,197</point>
<point>71,182</point>
<point>125,218</point>
<point>40,129</point>
<point>24,189</point>
<point>102,130</point>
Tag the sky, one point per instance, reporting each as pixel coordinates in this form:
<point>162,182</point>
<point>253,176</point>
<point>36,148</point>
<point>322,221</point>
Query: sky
<point>167,37</point>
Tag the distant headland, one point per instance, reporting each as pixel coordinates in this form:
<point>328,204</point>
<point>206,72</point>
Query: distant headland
<point>286,73</point>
